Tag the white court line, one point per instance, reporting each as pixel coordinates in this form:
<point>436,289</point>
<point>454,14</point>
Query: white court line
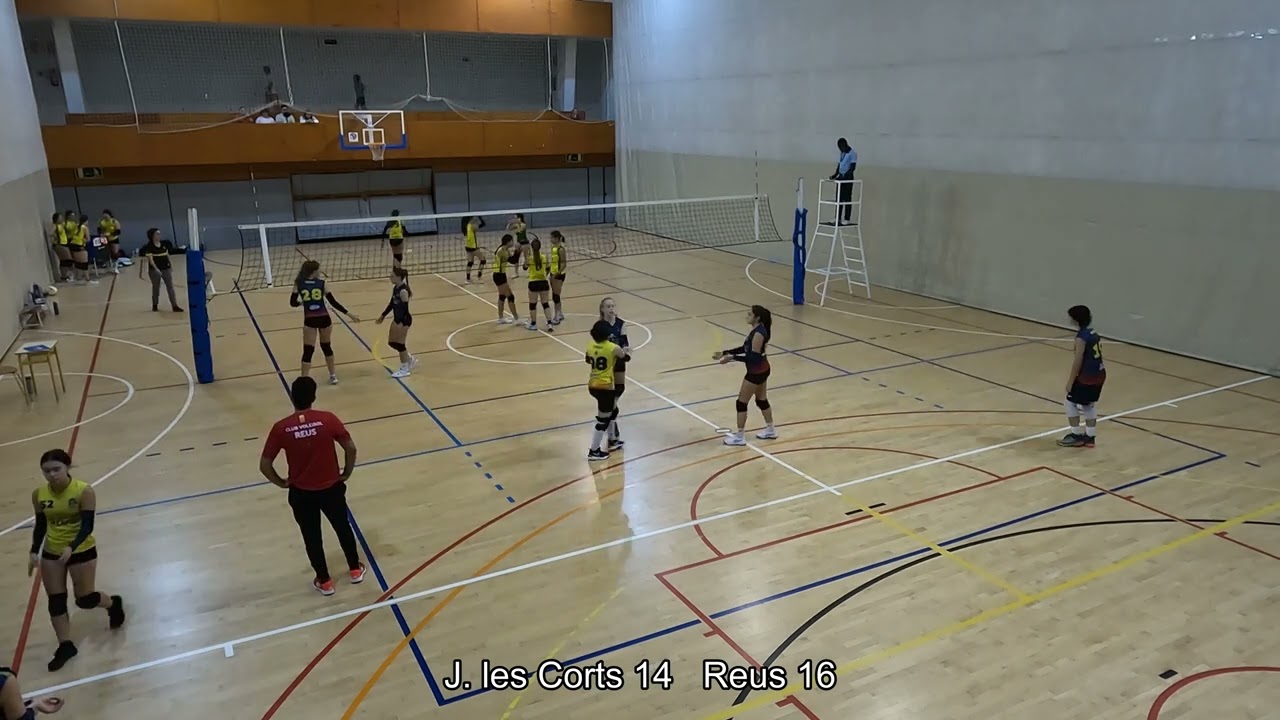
<point>817,288</point>
<point>227,647</point>
<point>758,450</point>
<point>129,390</point>
<point>757,283</point>
<point>448,342</point>
<point>191,391</point>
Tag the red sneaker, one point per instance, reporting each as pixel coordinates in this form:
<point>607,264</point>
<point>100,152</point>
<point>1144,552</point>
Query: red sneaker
<point>324,588</point>
<point>357,575</point>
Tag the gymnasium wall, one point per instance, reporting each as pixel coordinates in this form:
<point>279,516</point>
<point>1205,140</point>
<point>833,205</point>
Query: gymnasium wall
<point>1018,155</point>
<point>204,67</point>
<point>223,206</point>
<point>25,201</point>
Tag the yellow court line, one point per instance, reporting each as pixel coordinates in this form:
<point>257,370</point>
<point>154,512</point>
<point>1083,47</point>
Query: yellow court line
<point>953,628</point>
<point>556,650</point>
<point>377,354</point>
<point>972,567</point>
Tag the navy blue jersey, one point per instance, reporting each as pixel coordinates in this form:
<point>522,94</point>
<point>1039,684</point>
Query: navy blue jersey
<point>756,363</point>
<point>311,295</point>
<point>616,333</point>
<point>1092,370</point>
<point>399,308</point>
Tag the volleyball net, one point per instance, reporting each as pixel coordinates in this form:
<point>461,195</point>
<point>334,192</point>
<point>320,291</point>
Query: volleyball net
<point>358,248</point>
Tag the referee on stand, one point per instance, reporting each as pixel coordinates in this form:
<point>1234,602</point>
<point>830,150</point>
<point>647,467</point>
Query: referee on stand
<point>845,167</point>
<point>315,485</point>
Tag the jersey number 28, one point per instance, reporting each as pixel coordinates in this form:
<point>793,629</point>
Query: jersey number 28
<point>311,295</point>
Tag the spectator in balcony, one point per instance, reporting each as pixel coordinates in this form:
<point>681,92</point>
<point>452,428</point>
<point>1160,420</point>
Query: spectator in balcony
<point>359,87</point>
<point>264,118</point>
<point>286,115</point>
<point>309,119</point>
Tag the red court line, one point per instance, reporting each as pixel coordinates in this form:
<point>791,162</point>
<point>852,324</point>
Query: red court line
<point>1173,689</point>
<point>1158,511</point>
<point>717,630</point>
<point>693,504</point>
<point>430,561</point>
<point>29,615</point>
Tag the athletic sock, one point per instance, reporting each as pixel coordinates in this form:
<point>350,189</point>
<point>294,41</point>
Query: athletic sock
<point>596,437</point>
<point>1090,431</point>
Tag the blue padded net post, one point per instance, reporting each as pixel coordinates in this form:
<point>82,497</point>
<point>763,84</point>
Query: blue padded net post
<point>197,301</point>
<point>798,245</point>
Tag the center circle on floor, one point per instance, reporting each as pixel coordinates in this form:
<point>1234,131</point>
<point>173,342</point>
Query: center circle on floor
<point>449,342</point>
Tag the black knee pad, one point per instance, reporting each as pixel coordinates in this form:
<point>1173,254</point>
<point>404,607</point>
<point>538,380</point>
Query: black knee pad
<point>65,263</point>
<point>470,262</point>
<point>398,256</point>
<point>556,298</point>
<point>82,266</point>
<point>602,424</point>
<point>57,605</point>
<point>546,306</point>
<point>90,601</point>
<point>613,415</point>
<point>740,406</point>
<point>308,352</point>
<point>398,347</point>
<point>327,349</point>
<point>762,404</point>
<point>618,390</point>
<point>533,307</point>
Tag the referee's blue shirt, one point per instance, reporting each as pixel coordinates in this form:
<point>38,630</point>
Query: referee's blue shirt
<point>846,162</point>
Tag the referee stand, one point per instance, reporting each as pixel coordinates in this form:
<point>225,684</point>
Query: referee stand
<point>840,226</point>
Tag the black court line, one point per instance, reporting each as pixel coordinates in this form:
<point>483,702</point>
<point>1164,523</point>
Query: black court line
<point>859,511</point>
<point>816,617</point>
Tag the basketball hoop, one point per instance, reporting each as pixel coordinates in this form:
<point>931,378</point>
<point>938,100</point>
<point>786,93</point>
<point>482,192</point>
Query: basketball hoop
<point>376,140</point>
<point>377,150</point>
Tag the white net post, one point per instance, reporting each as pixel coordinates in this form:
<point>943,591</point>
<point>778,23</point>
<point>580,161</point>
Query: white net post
<point>755,220</point>
<point>193,229</point>
<point>266,254</point>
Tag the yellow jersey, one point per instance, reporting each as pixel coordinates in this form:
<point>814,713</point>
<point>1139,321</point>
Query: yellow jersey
<point>107,227</point>
<point>72,230</point>
<point>396,231</point>
<point>62,513</point>
<point>471,237</point>
<point>557,259</point>
<point>84,234</point>
<point>501,259</point>
<point>535,272</point>
<point>59,234</point>
<point>601,358</point>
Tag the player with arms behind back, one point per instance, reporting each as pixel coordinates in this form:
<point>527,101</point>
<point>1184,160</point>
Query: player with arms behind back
<point>1084,383</point>
<point>602,356</point>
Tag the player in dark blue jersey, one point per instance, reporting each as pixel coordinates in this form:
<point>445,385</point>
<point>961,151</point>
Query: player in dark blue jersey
<point>401,319</point>
<point>310,294</point>
<point>1084,384</point>
<point>756,381</point>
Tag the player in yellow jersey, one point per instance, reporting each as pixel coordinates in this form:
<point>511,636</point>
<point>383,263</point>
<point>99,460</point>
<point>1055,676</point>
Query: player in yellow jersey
<point>394,233</point>
<point>80,254</point>
<point>602,355</point>
<point>501,262</point>
<point>62,544</point>
<point>539,287</point>
<point>61,247</point>
<point>471,225</point>
<point>109,228</point>
<point>559,264</point>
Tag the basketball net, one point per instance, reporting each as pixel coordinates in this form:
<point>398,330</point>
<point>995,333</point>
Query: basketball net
<point>377,150</point>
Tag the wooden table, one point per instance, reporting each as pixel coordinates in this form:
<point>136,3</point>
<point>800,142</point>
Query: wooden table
<point>40,353</point>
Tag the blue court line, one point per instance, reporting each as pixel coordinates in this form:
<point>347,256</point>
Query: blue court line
<point>859,571</point>
<point>431,414</point>
<point>368,553</point>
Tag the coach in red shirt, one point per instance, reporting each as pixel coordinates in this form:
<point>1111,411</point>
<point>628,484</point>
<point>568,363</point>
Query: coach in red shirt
<point>315,486</point>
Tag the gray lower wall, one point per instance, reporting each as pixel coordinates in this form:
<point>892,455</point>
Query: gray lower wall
<point>1181,268</point>
<point>26,204</point>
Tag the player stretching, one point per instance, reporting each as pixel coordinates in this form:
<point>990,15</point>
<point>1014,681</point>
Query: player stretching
<point>1084,384</point>
<point>756,381</point>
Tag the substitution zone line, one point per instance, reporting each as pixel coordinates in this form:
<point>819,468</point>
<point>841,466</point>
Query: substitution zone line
<point>948,630</point>
<point>227,645</point>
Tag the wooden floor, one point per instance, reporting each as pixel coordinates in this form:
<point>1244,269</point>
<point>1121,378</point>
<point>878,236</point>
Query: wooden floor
<point>996,575</point>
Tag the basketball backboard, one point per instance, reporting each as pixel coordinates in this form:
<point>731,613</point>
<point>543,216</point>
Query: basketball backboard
<point>367,129</point>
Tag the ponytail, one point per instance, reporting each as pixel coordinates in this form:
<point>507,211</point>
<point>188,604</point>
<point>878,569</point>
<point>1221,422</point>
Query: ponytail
<point>403,276</point>
<point>763,315</point>
<point>537,252</point>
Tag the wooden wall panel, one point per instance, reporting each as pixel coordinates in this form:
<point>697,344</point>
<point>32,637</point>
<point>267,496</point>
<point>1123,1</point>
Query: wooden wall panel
<point>575,18</point>
<point>525,17</point>
<point>440,15</point>
<point>265,171</point>
<point>520,17</point>
<point>175,10</point>
<point>73,146</point>
<point>265,12</point>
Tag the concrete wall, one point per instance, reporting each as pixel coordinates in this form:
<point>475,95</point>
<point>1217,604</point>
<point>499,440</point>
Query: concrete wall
<point>1018,155</point>
<point>26,201</point>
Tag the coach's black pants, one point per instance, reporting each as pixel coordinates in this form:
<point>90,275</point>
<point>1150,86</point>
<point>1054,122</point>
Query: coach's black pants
<point>308,506</point>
